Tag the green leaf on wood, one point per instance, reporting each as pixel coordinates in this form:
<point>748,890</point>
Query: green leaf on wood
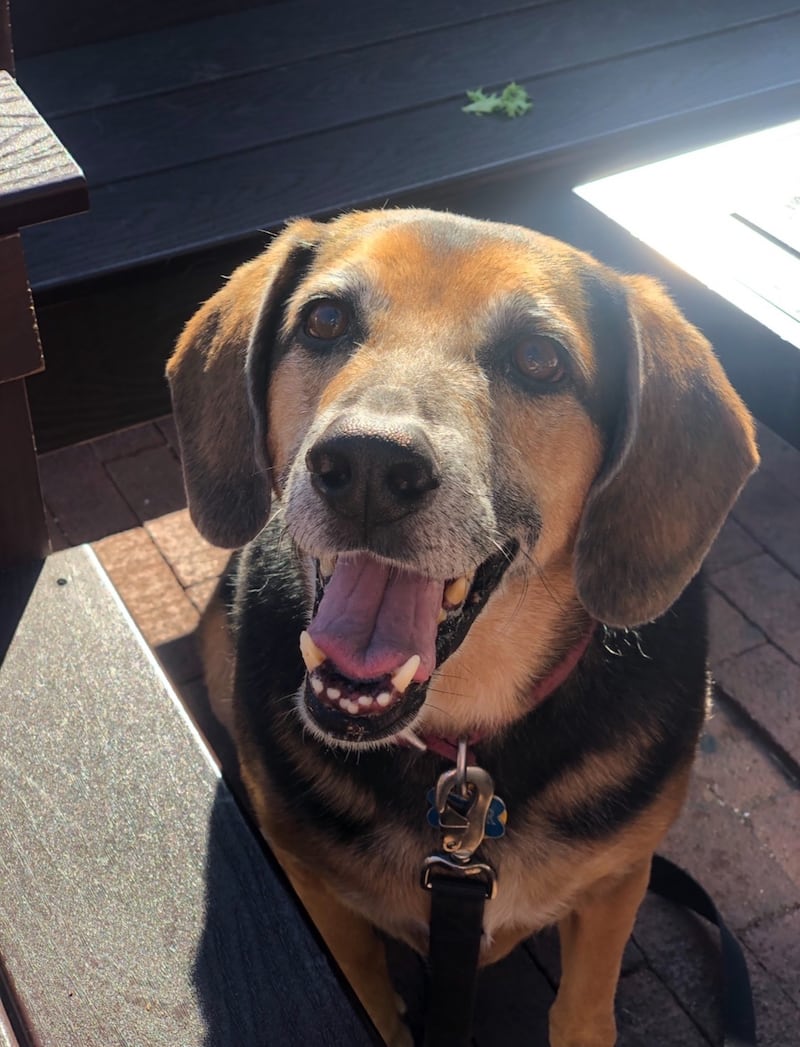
<point>513,101</point>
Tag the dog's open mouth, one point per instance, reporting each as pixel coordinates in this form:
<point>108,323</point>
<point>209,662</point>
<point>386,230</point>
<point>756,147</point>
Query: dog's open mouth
<point>376,636</point>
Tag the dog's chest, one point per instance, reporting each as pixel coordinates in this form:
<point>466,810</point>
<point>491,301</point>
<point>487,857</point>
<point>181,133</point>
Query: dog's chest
<point>534,888</point>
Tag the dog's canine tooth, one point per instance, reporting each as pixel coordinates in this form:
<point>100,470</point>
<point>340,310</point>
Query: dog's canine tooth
<point>412,739</point>
<point>402,678</point>
<point>312,655</point>
<point>442,616</point>
<point>456,592</point>
<point>326,566</point>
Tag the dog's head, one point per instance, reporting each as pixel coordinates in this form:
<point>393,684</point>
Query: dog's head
<point>441,404</point>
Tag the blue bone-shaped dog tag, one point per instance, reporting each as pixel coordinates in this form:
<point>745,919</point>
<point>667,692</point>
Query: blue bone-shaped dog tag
<point>496,817</point>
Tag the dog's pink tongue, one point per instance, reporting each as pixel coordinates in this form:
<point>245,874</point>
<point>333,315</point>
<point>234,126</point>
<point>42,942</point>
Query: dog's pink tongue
<point>372,618</point>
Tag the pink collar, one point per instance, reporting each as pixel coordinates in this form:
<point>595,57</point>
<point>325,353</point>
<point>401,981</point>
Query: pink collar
<point>448,747</point>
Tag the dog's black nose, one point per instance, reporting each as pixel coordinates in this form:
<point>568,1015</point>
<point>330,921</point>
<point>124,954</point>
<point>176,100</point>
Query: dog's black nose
<point>373,474</point>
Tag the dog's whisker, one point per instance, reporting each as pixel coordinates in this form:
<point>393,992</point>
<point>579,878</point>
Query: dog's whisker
<point>449,694</point>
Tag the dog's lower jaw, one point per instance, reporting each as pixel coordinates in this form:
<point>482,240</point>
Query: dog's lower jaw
<point>371,731</point>
<point>341,711</point>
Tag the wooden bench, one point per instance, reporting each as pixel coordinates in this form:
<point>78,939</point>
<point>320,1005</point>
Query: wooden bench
<point>198,135</point>
<point>39,181</point>
<point>137,905</point>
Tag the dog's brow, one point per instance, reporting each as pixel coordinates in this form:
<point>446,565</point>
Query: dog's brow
<point>352,285</point>
<point>514,313</point>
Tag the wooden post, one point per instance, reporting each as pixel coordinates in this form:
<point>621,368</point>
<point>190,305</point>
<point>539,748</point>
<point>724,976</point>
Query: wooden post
<point>30,191</point>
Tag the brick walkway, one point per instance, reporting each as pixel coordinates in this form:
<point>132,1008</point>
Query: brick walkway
<point>740,833</point>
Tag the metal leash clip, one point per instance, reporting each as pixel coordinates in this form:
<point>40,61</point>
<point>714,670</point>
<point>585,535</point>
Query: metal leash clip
<point>462,800</point>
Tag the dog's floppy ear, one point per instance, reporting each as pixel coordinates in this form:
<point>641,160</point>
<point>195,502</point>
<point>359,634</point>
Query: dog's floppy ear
<point>221,420</point>
<point>682,450</point>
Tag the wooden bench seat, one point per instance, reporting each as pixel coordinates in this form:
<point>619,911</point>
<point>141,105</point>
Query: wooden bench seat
<point>137,905</point>
<point>198,137</point>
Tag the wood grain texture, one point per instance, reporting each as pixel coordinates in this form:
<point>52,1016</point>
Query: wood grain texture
<point>42,25</point>
<point>273,37</point>
<point>318,94</point>
<point>264,37</point>
<point>39,180</point>
<point>214,201</point>
<point>137,907</point>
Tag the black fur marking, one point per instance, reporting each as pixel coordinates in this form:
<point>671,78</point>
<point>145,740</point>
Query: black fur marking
<point>610,325</point>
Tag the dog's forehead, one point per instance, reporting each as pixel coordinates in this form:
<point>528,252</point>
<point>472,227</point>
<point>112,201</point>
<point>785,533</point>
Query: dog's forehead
<point>470,281</point>
<point>435,257</point>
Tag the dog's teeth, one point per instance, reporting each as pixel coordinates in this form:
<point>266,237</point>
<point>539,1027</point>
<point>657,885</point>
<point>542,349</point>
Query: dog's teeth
<point>312,655</point>
<point>384,698</point>
<point>365,700</point>
<point>334,693</point>
<point>317,686</point>
<point>442,616</point>
<point>456,592</point>
<point>405,674</point>
<point>412,739</point>
<point>352,707</point>
<point>326,566</point>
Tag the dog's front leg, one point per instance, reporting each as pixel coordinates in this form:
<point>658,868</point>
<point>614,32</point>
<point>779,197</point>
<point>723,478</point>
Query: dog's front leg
<point>593,939</point>
<point>356,947</point>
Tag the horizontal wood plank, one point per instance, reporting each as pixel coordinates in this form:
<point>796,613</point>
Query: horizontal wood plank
<point>243,42</point>
<point>137,907</point>
<point>241,113</point>
<point>144,219</point>
<point>43,25</point>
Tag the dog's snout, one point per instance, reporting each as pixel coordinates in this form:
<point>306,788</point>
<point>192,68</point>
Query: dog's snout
<point>373,474</point>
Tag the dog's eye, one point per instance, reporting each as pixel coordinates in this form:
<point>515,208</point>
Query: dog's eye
<point>538,359</point>
<point>326,321</point>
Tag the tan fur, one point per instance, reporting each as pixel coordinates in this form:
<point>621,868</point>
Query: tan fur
<point>478,689</point>
<point>431,314</point>
<point>219,659</point>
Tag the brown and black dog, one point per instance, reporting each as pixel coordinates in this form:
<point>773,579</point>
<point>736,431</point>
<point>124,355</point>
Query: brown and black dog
<point>496,463</point>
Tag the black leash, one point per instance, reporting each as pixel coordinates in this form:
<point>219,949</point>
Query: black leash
<point>466,810</point>
<point>456,928</point>
<point>738,1016</point>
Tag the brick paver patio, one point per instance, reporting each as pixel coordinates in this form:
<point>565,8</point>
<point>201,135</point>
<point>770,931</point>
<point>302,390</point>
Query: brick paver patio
<point>740,833</point>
